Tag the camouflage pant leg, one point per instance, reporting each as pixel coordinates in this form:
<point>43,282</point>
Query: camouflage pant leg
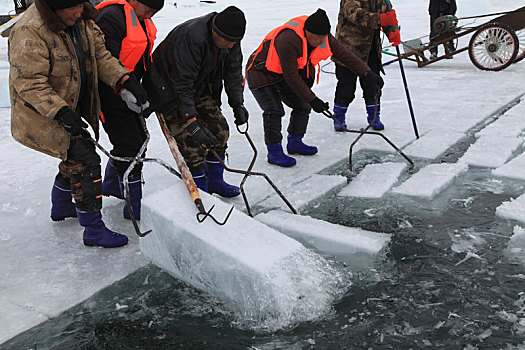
<point>209,116</point>
<point>82,168</point>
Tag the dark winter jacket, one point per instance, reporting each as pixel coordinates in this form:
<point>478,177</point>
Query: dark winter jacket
<point>289,47</point>
<point>182,67</point>
<point>45,76</point>
<point>438,8</point>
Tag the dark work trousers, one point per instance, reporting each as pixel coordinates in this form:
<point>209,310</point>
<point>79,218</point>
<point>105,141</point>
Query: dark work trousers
<point>270,99</point>
<point>123,127</point>
<point>347,81</point>
<point>82,169</point>
<point>433,35</point>
<point>209,115</point>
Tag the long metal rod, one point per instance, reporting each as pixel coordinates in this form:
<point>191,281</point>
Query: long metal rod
<point>409,101</point>
<point>247,173</point>
<point>363,132</point>
<point>389,8</point>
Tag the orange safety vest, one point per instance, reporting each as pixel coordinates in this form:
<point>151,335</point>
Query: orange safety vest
<point>273,64</point>
<point>135,42</point>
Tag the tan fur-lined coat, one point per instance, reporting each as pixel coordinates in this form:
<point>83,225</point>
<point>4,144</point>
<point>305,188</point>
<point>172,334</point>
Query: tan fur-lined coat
<point>357,22</point>
<point>44,76</point>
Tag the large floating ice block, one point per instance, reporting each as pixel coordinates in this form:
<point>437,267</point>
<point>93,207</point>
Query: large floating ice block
<point>513,209</point>
<point>264,276</point>
<point>512,169</point>
<point>431,180</point>
<point>490,151</point>
<point>515,249</point>
<point>505,126</point>
<point>302,193</point>
<point>374,180</point>
<point>355,246</point>
<point>433,144</point>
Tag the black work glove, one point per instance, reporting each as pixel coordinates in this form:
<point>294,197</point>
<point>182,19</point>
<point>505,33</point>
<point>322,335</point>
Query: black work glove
<point>201,135</point>
<point>134,95</point>
<point>319,106</point>
<point>373,82</point>
<point>241,115</point>
<point>70,121</point>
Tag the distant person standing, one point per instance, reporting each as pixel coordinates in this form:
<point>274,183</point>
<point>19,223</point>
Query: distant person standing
<point>438,8</point>
<point>57,55</point>
<point>130,35</point>
<point>359,29</point>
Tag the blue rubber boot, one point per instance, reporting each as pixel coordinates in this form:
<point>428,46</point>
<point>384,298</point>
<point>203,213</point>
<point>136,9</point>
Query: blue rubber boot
<point>200,180</point>
<point>135,195</point>
<point>96,233</point>
<point>62,205</point>
<point>370,107</point>
<point>215,180</point>
<point>276,156</point>
<point>296,146</point>
<point>111,183</point>
<point>339,115</point>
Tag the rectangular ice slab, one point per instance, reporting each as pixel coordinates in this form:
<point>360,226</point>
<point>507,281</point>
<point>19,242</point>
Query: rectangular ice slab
<point>374,180</point>
<point>302,193</point>
<point>354,246</point>
<point>512,169</point>
<point>262,275</point>
<point>491,152</point>
<point>433,144</point>
<point>505,126</point>
<point>431,180</point>
<point>513,209</point>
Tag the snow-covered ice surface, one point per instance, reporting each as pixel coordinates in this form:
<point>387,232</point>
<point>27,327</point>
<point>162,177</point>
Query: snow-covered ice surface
<point>45,268</point>
<point>269,280</point>
<point>374,180</point>
<point>356,247</point>
<point>430,180</point>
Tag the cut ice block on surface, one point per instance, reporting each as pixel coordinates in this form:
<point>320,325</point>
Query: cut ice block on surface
<point>489,151</point>
<point>431,180</point>
<point>302,193</point>
<point>268,279</point>
<point>515,249</point>
<point>513,209</point>
<point>355,246</point>
<point>505,126</point>
<point>512,169</point>
<point>433,144</point>
<point>374,180</point>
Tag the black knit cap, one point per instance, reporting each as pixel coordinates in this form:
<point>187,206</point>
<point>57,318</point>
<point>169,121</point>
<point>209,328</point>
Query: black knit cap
<point>230,24</point>
<point>63,4</point>
<point>154,4</point>
<point>318,23</point>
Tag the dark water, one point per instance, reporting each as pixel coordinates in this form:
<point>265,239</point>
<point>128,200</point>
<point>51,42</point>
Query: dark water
<point>422,293</point>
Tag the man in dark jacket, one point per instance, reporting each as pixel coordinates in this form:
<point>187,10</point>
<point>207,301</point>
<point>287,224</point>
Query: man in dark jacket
<point>438,8</point>
<point>57,55</point>
<point>185,84</point>
<point>130,36</point>
<point>282,70</point>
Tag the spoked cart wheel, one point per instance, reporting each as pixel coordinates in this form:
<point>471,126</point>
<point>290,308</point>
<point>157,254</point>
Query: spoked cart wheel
<point>521,51</point>
<point>494,46</point>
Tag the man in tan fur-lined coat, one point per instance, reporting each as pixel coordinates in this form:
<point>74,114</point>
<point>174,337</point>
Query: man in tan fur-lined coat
<point>57,54</point>
<point>359,29</point>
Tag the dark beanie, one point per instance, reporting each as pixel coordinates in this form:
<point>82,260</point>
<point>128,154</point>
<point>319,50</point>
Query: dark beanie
<point>318,23</point>
<point>63,4</point>
<point>154,4</point>
<point>230,24</point>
